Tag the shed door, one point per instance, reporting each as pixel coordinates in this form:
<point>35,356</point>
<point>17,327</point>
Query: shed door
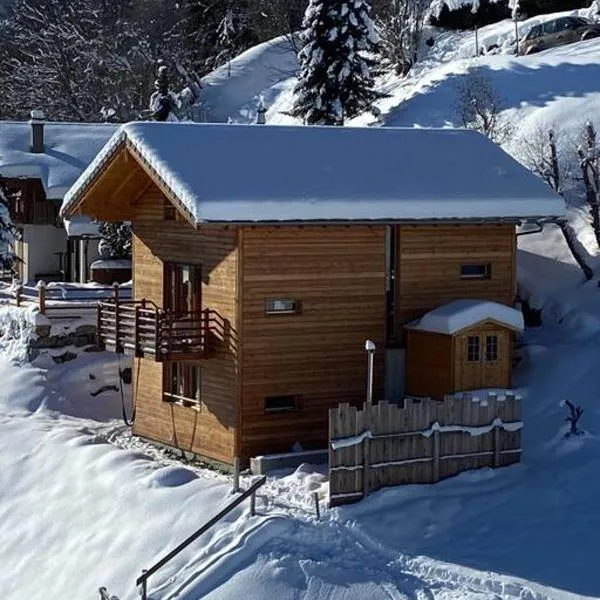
<point>495,359</point>
<point>469,366</point>
<point>482,360</point>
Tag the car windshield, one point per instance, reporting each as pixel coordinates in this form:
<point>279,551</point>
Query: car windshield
<point>533,33</point>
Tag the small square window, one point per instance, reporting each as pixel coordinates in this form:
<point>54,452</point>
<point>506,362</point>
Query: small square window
<point>476,271</point>
<point>276,404</point>
<point>281,306</point>
<point>169,212</point>
<point>491,348</point>
<point>473,348</point>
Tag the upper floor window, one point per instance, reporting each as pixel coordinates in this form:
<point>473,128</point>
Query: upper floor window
<point>281,306</point>
<point>476,271</point>
<point>169,212</point>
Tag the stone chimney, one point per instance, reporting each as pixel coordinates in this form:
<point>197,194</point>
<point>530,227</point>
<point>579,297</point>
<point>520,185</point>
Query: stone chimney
<point>37,131</point>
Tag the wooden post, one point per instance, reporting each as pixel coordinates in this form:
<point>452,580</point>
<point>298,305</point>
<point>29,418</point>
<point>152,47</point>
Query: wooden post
<point>236,475</point>
<point>496,447</point>
<point>41,287</point>
<point>436,455</point>
<point>19,294</point>
<point>317,508</point>
<point>253,503</point>
<point>144,587</point>
<point>136,331</point>
<point>157,336</point>
<point>117,320</point>
<point>366,465</point>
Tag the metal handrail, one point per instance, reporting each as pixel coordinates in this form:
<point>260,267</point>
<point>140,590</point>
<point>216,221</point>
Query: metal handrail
<point>142,580</point>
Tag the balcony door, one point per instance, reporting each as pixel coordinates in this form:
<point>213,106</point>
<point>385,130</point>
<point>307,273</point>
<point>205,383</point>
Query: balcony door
<point>183,290</point>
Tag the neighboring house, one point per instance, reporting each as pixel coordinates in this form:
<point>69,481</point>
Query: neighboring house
<point>41,161</point>
<point>264,257</point>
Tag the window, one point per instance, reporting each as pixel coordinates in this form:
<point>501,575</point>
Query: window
<point>534,32</point>
<point>281,306</point>
<point>549,27</point>
<point>276,404</point>
<point>473,348</point>
<point>169,212</point>
<point>491,348</point>
<point>476,271</point>
<point>183,383</point>
<point>183,289</point>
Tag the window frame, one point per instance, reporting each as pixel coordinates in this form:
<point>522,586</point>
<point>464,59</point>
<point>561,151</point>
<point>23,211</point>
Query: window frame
<point>270,309</point>
<point>473,349</point>
<point>186,372</point>
<point>274,410</point>
<point>486,273</point>
<point>492,353</point>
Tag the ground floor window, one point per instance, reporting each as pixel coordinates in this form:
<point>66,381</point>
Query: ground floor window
<point>183,383</point>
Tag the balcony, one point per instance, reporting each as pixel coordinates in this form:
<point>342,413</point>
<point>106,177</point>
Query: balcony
<point>139,328</point>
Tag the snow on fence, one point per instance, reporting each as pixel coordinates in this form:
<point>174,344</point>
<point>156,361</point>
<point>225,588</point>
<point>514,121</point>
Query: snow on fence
<point>419,441</point>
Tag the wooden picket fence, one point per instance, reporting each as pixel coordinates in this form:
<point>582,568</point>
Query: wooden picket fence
<point>419,441</point>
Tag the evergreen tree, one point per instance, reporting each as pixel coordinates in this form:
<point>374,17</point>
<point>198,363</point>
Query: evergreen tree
<point>9,234</point>
<point>337,60</point>
<point>116,240</point>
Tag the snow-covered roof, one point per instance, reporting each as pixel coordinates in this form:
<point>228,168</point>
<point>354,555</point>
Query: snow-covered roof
<point>261,173</point>
<point>68,150</point>
<point>460,314</point>
<point>81,226</point>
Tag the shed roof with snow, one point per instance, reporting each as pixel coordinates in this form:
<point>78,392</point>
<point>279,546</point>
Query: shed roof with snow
<point>461,314</point>
<point>68,150</point>
<point>224,173</point>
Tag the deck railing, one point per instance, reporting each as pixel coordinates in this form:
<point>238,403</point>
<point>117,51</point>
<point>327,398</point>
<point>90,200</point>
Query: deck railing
<point>142,329</point>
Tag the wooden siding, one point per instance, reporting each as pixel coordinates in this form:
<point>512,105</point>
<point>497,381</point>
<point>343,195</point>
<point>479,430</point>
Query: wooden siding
<point>28,204</point>
<point>428,266</point>
<point>337,276</point>
<point>209,432</point>
<point>429,364</point>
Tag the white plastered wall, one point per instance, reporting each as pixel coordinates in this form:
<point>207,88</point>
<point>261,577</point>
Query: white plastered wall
<point>38,248</point>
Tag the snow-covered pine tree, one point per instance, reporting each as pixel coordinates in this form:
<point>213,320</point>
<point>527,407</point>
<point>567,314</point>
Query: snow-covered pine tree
<point>116,240</point>
<point>9,234</point>
<point>337,61</point>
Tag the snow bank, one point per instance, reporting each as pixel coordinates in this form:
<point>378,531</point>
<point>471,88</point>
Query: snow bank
<point>68,150</point>
<point>476,179</point>
<point>232,92</point>
<point>460,314</point>
<point>17,329</point>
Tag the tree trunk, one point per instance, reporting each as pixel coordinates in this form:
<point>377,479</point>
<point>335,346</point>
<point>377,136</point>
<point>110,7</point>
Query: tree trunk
<point>576,250</point>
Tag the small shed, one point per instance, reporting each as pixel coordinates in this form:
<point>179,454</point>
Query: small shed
<point>460,346</point>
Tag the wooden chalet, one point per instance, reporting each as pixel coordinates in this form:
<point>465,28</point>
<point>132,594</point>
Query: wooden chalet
<point>39,162</point>
<point>265,256</point>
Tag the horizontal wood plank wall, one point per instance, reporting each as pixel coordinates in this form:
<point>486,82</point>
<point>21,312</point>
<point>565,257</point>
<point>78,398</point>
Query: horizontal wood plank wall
<point>209,432</point>
<point>429,364</point>
<point>337,276</point>
<point>428,266</point>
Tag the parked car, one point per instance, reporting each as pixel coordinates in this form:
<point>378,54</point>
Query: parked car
<point>564,30</point>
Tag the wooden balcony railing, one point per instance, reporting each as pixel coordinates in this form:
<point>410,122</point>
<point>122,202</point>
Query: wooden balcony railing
<point>141,329</point>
